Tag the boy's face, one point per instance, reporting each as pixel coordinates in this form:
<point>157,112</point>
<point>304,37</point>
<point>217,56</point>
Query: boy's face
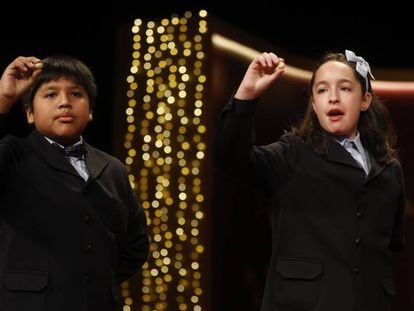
<point>60,110</point>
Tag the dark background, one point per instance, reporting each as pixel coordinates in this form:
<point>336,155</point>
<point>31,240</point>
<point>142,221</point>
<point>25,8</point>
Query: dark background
<point>381,34</point>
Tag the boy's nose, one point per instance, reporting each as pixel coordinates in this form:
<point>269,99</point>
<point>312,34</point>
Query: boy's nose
<point>64,102</point>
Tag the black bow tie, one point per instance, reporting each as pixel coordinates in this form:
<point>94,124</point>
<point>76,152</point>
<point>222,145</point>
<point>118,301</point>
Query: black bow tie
<point>77,151</point>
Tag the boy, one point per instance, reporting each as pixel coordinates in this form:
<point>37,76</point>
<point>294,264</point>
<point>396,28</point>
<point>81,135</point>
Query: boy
<point>71,228</point>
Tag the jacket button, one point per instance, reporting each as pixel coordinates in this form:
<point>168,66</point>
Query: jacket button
<point>360,214</point>
<point>358,242</point>
<point>87,219</point>
<point>356,270</point>
<point>89,248</point>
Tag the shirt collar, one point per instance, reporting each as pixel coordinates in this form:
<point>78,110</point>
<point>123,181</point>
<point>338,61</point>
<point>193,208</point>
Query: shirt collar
<point>356,140</point>
<point>80,141</point>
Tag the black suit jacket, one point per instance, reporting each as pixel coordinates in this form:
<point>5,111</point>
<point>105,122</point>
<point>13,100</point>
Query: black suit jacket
<point>333,228</point>
<point>65,244</point>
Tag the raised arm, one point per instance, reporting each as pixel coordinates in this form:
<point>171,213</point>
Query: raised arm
<point>16,79</point>
<point>262,72</point>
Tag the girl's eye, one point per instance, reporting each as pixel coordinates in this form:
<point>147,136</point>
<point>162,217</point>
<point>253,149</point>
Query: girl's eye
<point>320,91</point>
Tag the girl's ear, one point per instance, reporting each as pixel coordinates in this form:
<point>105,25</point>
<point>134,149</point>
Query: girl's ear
<point>312,102</point>
<point>366,101</point>
<point>90,116</point>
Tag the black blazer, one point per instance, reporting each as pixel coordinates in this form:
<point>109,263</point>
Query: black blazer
<point>65,244</point>
<point>333,228</point>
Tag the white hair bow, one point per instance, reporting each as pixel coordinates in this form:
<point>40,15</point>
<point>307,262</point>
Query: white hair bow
<point>362,66</point>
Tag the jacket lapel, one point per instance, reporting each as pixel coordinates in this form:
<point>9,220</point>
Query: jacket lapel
<point>376,168</point>
<point>338,154</point>
<point>49,153</point>
<point>95,163</point>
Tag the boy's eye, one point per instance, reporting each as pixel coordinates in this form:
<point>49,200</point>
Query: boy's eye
<point>77,94</point>
<point>51,94</point>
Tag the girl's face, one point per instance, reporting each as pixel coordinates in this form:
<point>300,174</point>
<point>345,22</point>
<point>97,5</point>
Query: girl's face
<point>61,110</point>
<point>337,98</point>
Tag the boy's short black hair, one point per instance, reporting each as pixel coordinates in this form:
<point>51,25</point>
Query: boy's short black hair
<point>57,66</point>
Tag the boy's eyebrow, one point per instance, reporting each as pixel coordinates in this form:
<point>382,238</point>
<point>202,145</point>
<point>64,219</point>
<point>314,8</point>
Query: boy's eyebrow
<point>53,87</point>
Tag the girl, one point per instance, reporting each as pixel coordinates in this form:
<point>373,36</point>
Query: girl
<point>337,215</point>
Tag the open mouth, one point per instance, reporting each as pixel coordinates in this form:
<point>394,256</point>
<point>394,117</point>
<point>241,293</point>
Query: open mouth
<point>335,114</point>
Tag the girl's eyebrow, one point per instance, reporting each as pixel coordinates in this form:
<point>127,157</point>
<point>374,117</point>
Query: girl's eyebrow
<point>344,80</point>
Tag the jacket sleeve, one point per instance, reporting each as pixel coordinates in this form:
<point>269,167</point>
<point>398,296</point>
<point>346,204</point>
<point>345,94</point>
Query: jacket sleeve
<point>397,242</point>
<point>5,152</point>
<point>134,247</point>
<point>234,135</point>
<point>264,168</point>
<point>3,125</point>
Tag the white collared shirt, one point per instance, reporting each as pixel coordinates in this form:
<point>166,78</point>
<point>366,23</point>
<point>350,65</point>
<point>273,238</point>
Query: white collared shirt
<point>77,163</point>
<point>360,154</point>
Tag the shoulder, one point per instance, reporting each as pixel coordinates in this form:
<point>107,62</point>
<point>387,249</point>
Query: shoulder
<point>102,154</point>
<point>11,142</point>
<point>112,169</point>
<point>395,164</point>
<point>291,140</point>
<point>290,136</point>
<point>12,150</point>
<point>11,139</point>
<point>288,145</point>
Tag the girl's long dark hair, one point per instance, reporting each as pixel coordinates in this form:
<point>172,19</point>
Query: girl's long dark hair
<point>375,124</point>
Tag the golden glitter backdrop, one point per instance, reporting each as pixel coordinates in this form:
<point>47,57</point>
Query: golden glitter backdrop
<point>164,151</point>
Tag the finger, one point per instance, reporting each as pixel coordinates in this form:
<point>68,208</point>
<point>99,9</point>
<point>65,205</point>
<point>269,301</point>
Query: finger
<point>38,65</point>
<point>26,65</point>
<point>281,66</point>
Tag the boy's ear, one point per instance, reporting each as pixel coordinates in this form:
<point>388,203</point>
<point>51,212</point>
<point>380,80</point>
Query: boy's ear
<point>29,115</point>
<point>90,116</point>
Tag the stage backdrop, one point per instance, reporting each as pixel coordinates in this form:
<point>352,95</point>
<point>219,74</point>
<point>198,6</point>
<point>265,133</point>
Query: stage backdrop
<point>210,239</point>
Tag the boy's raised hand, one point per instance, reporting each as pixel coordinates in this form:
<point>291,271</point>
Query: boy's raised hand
<point>16,79</point>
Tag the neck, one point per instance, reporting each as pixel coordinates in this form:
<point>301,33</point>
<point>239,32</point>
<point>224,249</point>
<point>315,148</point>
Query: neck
<point>65,143</point>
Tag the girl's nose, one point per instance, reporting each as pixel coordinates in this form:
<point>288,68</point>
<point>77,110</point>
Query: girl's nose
<point>333,97</point>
